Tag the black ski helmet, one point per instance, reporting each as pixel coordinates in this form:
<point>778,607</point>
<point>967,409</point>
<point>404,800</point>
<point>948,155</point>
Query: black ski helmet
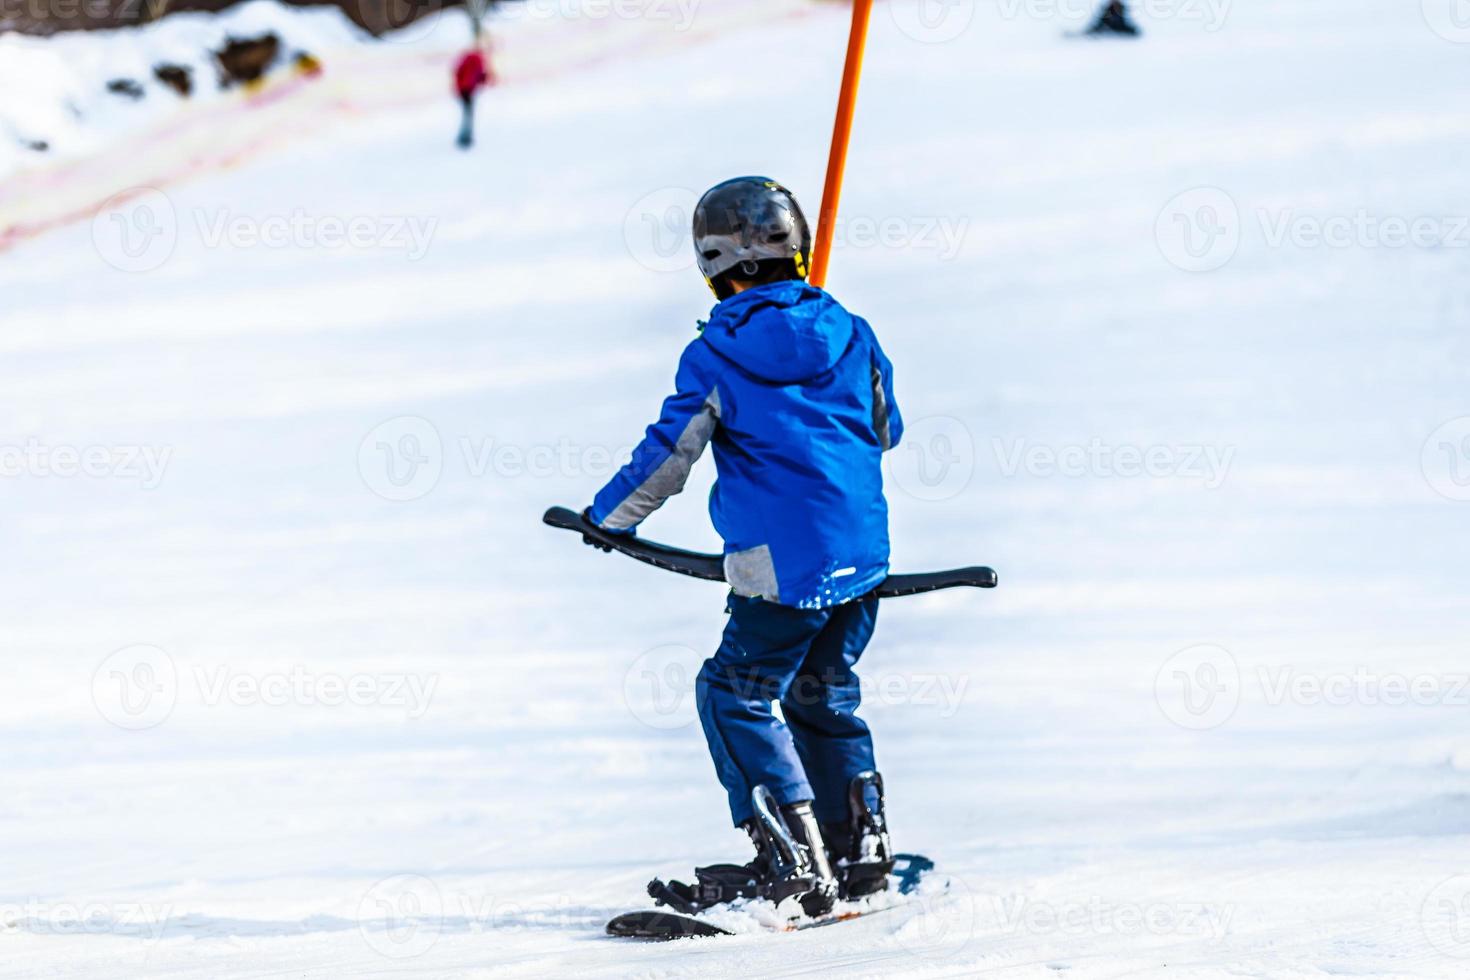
<point>744,224</point>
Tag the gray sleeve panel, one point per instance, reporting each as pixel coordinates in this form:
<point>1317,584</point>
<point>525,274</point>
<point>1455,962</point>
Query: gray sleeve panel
<point>673,472</point>
<point>753,573</point>
<point>880,411</point>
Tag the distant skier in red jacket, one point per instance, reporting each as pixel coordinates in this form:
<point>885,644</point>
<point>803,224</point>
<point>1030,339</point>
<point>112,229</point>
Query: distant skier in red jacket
<point>471,73</point>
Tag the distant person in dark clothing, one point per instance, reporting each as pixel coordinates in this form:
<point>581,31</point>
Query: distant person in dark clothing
<point>1113,19</point>
<point>471,74</point>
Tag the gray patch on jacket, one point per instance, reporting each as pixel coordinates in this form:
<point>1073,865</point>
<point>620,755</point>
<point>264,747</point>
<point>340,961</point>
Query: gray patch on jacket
<point>880,411</point>
<point>752,573</point>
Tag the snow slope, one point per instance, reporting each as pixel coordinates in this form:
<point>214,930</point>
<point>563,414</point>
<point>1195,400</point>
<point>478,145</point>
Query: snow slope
<point>294,683</point>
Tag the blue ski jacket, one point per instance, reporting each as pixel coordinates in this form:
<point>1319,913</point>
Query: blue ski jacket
<point>796,397</point>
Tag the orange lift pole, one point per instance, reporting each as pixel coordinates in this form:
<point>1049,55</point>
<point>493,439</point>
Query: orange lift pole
<point>857,41</point>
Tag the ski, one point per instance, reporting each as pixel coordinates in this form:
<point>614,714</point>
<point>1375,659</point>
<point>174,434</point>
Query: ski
<point>712,567</point>
<point>659,926</point>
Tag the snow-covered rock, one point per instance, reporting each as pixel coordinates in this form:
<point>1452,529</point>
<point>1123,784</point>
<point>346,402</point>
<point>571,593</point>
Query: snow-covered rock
<point>54,90</point>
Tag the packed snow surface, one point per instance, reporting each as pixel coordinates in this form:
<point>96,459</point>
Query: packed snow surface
<point>294,682</point>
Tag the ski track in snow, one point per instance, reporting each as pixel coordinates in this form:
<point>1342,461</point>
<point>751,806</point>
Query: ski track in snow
<point>526,757</point>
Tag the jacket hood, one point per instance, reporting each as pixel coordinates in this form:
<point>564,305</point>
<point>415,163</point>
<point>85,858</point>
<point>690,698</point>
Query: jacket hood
<point>782,332</point>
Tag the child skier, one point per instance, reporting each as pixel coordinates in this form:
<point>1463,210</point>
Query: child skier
<point>796,396</point>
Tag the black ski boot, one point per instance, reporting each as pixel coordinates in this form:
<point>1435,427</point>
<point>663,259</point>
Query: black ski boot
<point>796,858</point>
<point>860,852</point>
<point>785,864</point>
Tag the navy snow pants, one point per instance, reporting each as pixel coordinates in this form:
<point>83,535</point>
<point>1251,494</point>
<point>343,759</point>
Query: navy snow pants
<point>802,658</point>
